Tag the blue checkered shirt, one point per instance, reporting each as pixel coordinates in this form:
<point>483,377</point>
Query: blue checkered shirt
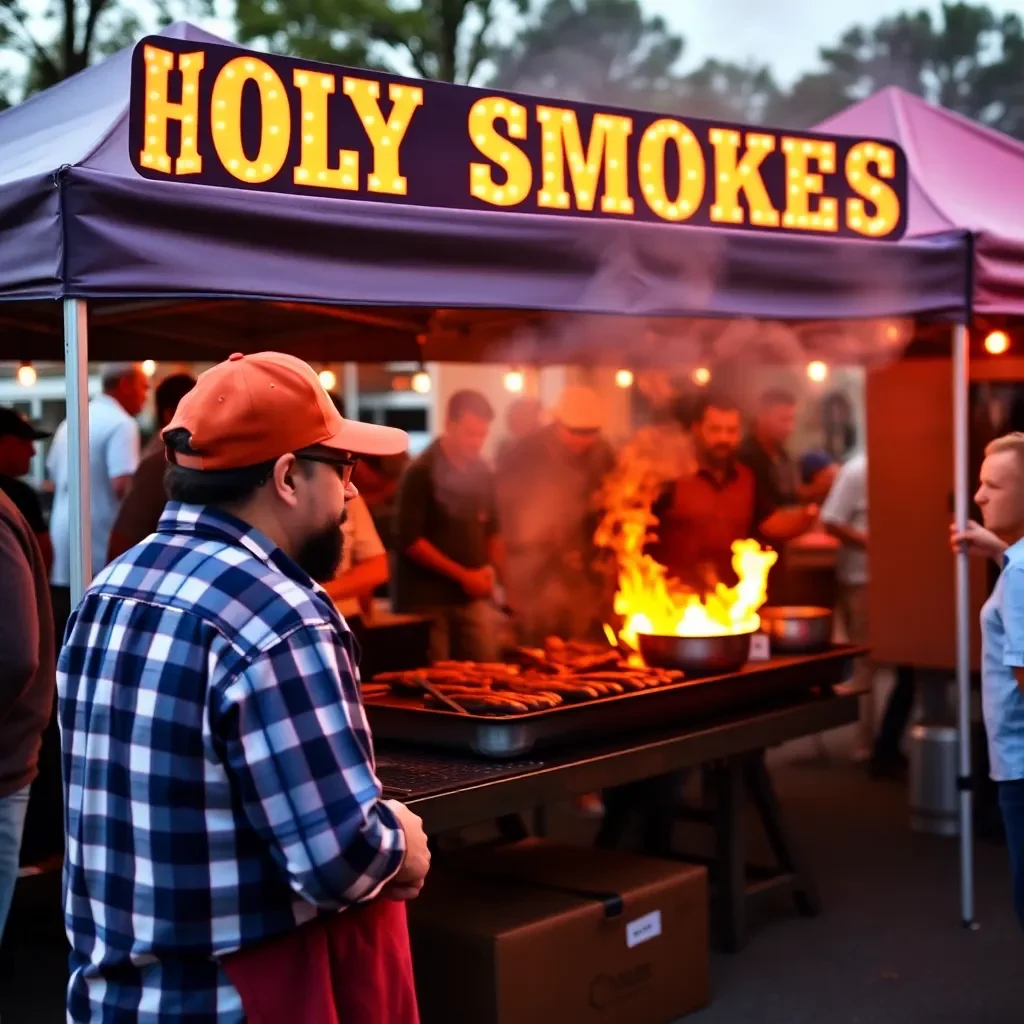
<point>218,770</point>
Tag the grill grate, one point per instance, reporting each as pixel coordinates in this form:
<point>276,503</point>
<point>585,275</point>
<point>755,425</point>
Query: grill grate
<point>410,775</point>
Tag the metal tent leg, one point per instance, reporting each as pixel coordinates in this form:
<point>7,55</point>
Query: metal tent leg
<point>76,376</point>
<point>961,485</point>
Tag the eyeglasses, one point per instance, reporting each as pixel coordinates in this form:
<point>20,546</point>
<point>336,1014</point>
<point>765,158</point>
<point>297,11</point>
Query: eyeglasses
<point>344,466</point>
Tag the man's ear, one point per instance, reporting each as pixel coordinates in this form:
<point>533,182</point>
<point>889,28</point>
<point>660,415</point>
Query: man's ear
<point>283,477</point>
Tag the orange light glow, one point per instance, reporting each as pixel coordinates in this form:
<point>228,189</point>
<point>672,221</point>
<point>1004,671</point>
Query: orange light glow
<point>996,343</point>
<point>702,376</point>
<point>421,382</point>
<point>514,381</point>
<point>624,378</point>
<point>817,371</point>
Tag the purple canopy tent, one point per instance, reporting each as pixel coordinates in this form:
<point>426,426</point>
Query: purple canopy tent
<point>193,271</point>
<point>962,176</point>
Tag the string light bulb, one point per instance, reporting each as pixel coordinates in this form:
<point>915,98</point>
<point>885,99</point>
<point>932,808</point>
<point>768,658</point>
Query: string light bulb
<point>421,382</point>
<point>27,375</point>
<point>996,342</point>
<point>515,381</point>
<point>149,367</point>
<point>817,371</point>
<point>624,378</point>
<point>328,379</point>
<point>701,376</point>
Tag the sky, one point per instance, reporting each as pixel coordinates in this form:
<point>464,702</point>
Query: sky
<point>784,34</point>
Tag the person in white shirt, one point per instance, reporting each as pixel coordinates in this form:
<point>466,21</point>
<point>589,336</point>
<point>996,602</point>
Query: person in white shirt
<point>364,561</point>
<point>113,459</point>
<point>845,516</point>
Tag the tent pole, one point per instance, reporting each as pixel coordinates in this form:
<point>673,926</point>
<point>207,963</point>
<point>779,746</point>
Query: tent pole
<point>76,378</point>
<point>961,490</point>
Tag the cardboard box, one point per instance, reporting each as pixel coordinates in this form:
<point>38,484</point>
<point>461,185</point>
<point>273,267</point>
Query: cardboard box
<point>542,933</point>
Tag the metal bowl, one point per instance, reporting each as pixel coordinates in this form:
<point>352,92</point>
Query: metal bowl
<point>696,655</point>
<point>797,629</point>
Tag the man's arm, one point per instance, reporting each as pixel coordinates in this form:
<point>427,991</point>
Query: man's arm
<point>786,523</point>
<point>122,452</point>
<point>840,508</point>
<point>414,495</point>
<point>361,580</point>
<point>297,745</point>
<point>19,627</point>
<point>1013,621</point>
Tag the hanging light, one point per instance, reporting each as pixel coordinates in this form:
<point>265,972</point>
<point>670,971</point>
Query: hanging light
<point>515,381</point>
<point>328,379</point>
<point>149,367</point>
<point>817,371</point>
<point>701,376</point>
<point>420,382</point>
<point>624,378</point>
<point>27,375</point>
<point>996,342</point>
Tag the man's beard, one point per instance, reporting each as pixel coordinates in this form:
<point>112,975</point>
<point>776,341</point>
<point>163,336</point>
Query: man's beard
<point>719,456</point>
<point>320,554</point>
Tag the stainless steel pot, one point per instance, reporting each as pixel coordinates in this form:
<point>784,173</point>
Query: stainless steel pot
<point>797,629</point>
<point>696,655</point>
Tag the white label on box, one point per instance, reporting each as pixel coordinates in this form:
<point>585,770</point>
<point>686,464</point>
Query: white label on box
<point>760,647</point>
<point>643,929</point>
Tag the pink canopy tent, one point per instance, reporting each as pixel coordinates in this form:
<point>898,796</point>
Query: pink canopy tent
<point>962,175</point>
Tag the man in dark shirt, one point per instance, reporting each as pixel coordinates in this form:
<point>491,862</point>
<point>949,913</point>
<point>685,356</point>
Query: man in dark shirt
<point>17,446</point>
<point>447,540</point>
<point>787,499</point>
<point>144,503</point>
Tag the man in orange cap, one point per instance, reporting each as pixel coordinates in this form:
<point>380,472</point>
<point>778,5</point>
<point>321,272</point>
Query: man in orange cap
<point>219,775</point>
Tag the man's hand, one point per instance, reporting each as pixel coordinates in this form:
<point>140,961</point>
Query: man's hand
<point>479,583</point>
<point>976,540</point>
<point>409,880</point>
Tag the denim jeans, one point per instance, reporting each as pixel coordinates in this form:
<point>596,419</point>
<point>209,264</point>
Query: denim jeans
<point>12,823</point>
<point>1011,801</point>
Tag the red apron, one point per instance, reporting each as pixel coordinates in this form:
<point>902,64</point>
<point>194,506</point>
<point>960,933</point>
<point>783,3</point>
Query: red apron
<point>354,967</point>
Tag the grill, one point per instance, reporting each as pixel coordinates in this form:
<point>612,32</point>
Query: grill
<point>409,775</point>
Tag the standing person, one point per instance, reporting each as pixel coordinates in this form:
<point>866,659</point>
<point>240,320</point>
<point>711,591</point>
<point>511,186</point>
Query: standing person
<point>222,791</point>
<point>364,562</point>
<point>845,516</point>
<point>522,419</point>
<point>447,536</point>
<point>26,683</point>
<point>764,452</point>
<point>113,458</point>
<point>17,446</point>
<point>547,487</point>
<point>1001,500</point>
<point>140,511</point>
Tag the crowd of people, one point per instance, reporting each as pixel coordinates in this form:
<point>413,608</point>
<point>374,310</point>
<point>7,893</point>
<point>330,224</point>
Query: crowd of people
<point>213,759</point>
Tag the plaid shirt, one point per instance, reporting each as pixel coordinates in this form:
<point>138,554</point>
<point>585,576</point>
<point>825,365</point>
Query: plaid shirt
<point>218,770</point>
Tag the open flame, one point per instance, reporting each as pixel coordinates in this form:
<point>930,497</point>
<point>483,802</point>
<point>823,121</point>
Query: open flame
<point>647,599</point>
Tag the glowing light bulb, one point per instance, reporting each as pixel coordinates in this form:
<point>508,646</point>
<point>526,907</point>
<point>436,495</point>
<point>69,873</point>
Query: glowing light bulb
<point>996,343</point>
<point>27,375</point>
<point>421,382</point>
<point>817,371</point>
<point>514,381</point>
<point>624,378</point>
<point>149,367</point>
<point>702,376</point>
<point>328,379</point>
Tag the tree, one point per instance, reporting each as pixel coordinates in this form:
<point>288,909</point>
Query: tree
<point>70,34</point>
<point>724,91</point>
<point>598,51</point>
<point>970,60</point>
<point>450,40</point>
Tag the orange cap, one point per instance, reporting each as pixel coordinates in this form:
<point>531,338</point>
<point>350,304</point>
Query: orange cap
<point>253,409</point>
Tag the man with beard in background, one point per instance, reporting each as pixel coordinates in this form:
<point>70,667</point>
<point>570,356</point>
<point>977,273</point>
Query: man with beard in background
<point>1000,497</point>
<point>702,514</point>
<point>219,774</point>
<point>546,487</point>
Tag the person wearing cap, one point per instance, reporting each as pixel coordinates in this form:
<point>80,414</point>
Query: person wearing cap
<point>113,457</point>
<point>447,539</point>
<point>547,487</point>
<point>17,446</point>
<point>817,473</point>
<point>140,511</point>
<point>219,772</point>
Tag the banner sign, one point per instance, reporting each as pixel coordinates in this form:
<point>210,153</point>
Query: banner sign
<point>217,115</point>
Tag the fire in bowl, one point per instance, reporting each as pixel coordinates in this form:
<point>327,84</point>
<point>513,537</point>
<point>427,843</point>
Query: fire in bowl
<point>797,629</point>
<point>696,655</point>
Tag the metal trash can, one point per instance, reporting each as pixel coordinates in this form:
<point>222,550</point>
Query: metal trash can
<point>934,800</point>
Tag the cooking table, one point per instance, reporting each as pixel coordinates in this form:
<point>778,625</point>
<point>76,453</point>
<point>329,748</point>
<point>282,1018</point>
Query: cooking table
<point>454,792</point>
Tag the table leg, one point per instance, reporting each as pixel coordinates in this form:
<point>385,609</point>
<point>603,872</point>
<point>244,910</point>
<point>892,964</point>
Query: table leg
<point>759,785</point>
<point>730,858</point>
